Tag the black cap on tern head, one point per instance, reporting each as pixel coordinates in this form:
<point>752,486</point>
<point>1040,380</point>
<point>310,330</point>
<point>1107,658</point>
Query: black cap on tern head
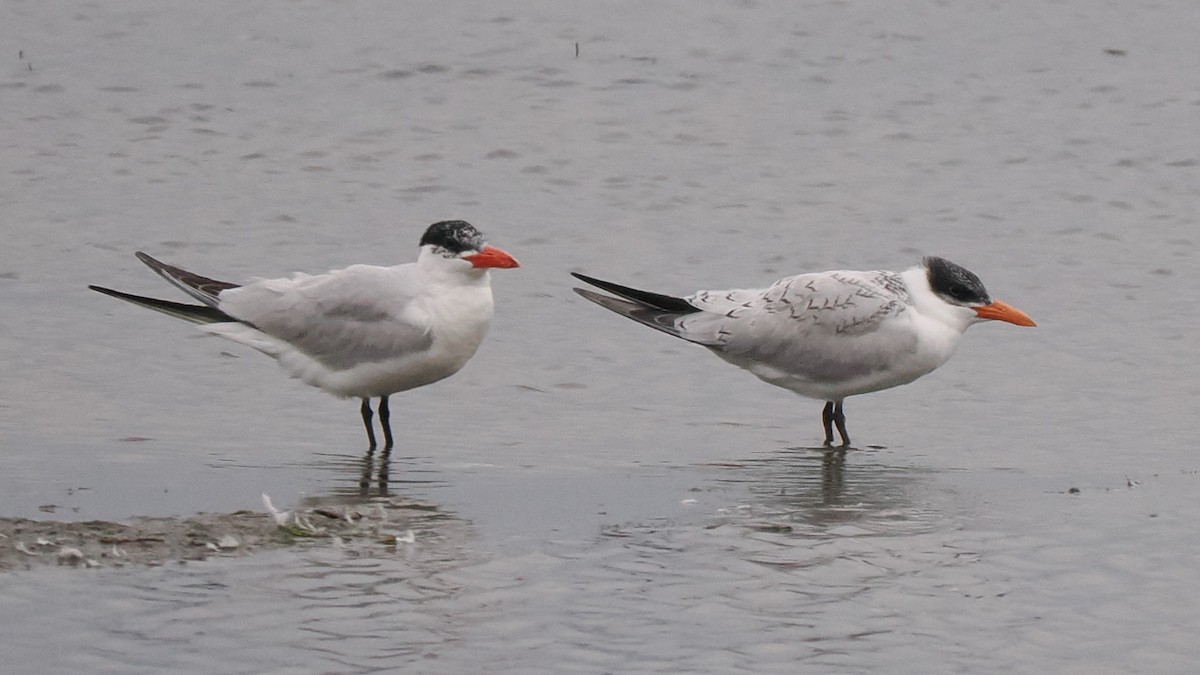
<point>954,283</point>
<point>456,236</point>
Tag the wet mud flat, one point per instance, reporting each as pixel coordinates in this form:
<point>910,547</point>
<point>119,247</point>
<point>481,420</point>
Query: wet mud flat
<point>378,526</point>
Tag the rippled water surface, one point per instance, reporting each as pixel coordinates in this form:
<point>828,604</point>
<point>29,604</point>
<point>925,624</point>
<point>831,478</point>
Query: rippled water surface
<point>593,497</point>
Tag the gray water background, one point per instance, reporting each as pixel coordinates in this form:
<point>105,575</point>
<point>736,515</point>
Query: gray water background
<point>608,499</point>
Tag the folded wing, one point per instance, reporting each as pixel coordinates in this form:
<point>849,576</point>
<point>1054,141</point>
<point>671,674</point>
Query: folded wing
<point>828,327</point>
<point>343,319</point>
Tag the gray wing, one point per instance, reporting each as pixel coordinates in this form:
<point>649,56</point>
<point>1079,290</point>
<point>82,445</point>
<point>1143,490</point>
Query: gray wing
<point>807,333</point>
<point>826,303</point>
<point>357,315</point>
<point>829,326</point>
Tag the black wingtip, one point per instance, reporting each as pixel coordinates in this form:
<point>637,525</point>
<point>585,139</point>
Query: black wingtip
<point>106,291</point>
<point>149,260</point>
<point>585,293</point>
<point>193,313</point>
<point>666,303</point>
<point>658,319</point>
<point>204,289</point>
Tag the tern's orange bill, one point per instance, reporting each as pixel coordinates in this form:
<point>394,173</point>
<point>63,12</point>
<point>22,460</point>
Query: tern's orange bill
<point>999,311</point>
<point>491,256</point>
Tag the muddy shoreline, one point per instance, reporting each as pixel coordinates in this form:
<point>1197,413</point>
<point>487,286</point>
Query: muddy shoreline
<point>27,544</point>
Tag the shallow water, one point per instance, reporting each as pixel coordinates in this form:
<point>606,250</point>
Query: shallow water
<point>603,498</point>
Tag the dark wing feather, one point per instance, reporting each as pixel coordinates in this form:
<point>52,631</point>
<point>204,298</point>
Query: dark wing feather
<point>201,288</point>
<point>194,313</point>
<point>658,311</point>
<point>657,300</point>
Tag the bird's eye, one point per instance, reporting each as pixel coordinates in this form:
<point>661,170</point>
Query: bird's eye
<point>961,293</point>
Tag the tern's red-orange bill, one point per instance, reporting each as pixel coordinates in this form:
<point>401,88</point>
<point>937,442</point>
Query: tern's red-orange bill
<point>999,311</point>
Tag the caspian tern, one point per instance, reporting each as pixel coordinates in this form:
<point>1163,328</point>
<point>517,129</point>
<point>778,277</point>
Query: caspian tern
<point>826,335</point>
<point>362,331</point>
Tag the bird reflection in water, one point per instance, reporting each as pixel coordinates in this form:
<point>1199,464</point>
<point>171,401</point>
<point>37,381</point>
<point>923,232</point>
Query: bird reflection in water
<point>818,487</point>
<point>369,464</point>
<point>833,474</point>
<point>363,488</point>
<point>368,476</point>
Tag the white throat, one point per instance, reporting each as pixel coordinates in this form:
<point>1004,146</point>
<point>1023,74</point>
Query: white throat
<point>931,306</point>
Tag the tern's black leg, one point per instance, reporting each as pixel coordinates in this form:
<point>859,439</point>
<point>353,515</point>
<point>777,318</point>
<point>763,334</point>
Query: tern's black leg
<point>827,422</point>
<point>385,420</point>
<point>367,415</point>
<point>833,414</point>
<point>839,418</point>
